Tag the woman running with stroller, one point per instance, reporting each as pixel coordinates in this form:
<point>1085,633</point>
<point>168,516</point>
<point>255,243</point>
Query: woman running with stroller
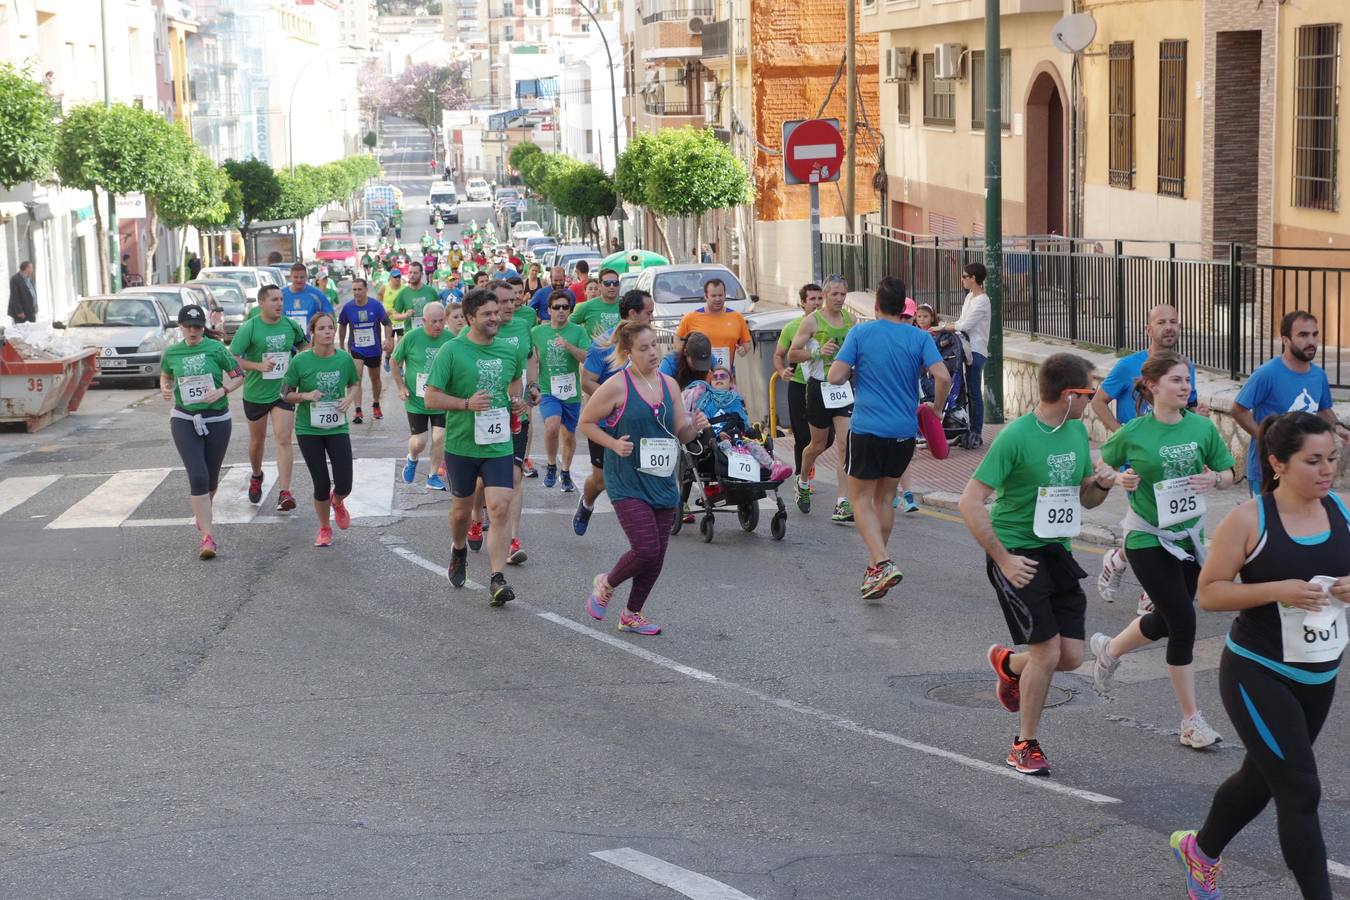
<point>640,421</point>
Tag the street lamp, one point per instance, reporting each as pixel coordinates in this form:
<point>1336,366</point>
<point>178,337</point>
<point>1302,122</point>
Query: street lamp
<point>614,111</point>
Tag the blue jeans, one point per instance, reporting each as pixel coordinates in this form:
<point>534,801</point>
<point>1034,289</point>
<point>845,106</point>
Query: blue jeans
<point>975,388</point>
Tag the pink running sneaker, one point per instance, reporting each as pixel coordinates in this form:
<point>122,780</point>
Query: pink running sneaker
<point>637,624</point>
<point>598,601</point>
<point>780,471</point>
<point>1202,873</point>
<point>207,548</point>
<point>1006,689</point>
<point>324,538</point>
<point>340,514</point>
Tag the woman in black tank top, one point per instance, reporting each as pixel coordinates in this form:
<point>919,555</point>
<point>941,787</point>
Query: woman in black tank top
<point>1282,561</point>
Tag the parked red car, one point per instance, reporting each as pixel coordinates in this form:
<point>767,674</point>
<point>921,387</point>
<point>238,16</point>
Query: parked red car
<point>339,252</point>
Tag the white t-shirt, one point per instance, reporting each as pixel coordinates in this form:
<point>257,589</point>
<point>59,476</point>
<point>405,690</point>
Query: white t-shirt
<point>974,321</point>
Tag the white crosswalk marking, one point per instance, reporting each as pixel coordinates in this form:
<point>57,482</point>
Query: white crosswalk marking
<point>232,506</point>
<point>14,491</point>
<point>372,488</point>
<point>112,502</point>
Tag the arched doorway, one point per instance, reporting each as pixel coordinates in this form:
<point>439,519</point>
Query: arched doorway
<point>1045,157</point>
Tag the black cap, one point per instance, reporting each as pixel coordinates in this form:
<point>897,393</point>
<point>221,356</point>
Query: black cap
<point>192,314</point>
<point>698,350</point>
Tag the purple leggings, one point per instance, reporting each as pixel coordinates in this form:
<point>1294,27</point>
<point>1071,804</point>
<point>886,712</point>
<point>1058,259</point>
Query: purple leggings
<point>648,533</point>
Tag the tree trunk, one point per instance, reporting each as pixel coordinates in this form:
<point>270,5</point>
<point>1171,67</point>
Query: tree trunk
<point>151,240</point>
<point>104,284</point>
<point>665,241</point>
<point>698,238</point>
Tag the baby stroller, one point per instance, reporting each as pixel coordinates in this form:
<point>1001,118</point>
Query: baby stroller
<point>703,466</point>
<point>956,414</point>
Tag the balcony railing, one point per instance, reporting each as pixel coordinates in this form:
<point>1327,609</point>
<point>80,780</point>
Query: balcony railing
<point>716,39</point>
<point>671,108</point>
<point>679,13</point>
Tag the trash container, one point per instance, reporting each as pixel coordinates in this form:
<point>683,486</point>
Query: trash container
<point>37,392</point>
<point>754,372</point>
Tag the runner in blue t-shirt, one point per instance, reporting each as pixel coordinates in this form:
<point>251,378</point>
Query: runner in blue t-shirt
<point>1290,382</point>
<point>596,370</point>
<point>557,281</point>
<point>366,332</point>
<point>302,301</point>
<point>884,358</point>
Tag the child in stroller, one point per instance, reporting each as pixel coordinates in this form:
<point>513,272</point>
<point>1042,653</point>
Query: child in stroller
<point>951,346</point>
<point>724,408</point>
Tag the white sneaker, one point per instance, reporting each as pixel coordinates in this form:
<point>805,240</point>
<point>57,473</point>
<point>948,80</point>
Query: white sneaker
<point>1196,733</point>
<point>1114,565</point>
<point>1103,666</point>
<point>1145,605</point>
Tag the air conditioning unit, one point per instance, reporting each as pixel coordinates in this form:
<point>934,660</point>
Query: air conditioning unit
<point>695,25</point>
<point>900,64</point>
<point>947,60</point>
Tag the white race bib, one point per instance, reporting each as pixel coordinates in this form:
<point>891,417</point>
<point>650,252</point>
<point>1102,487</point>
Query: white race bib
<point>836,396</point>
<point>280,360</point>
<point>421,389</point>
<point>417,322</point>
<point>656,456</point>
<point>1310,637</point>
<point>564,387</point>
<point>363,337</point>
<point>300,319</point>
<point>491,426</point>
<point>194,388</point>
<point>721,357</point>
<point>1059,512</point>
<point>742,467</point>
<point>1177,501</point>
<point>325,414</point>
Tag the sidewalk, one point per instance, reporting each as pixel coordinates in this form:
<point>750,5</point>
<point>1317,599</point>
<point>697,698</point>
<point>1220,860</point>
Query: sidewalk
<point>938,485</point>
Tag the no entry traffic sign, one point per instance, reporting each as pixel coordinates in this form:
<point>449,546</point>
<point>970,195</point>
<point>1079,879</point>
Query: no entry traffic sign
<point>813,151</point>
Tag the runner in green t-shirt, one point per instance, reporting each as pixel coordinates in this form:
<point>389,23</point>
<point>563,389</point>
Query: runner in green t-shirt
<point>410,368</point>
<point>409,302</point>
<point>560,348</point>
<point>795,376</point>
<point>516,332</point>
<point>1174,458</point>
<point>1040,470</point>
<point>478,381</point>
<point>197,375</point>
<point>323,382</point>
<point>598,316</point>
<point>324,282</point>
<point>263,345</point>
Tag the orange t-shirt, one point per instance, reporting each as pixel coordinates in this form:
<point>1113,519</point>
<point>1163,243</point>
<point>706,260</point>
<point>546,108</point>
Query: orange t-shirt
<point>725,330</point>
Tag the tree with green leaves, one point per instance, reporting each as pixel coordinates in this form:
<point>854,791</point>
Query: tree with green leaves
<point>370,140</point>
<point>583,191</point>
<point>259,189</point>
<point>520,152</point>
<point>211,201</point>
<point>694,172</point>
<point>27,135</point>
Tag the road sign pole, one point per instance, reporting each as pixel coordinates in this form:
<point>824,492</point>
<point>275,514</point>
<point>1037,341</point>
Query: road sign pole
<point>993,207</point>
<point>816,275</point>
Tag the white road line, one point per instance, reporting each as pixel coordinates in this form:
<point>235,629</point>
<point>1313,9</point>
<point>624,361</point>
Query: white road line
<point>14,491</point>
<point>691,884</point>
<point>113,501</point>
<point>1338,870</point>
<point>791,705</point>
<point>231,506</point>
<point>372,488</point>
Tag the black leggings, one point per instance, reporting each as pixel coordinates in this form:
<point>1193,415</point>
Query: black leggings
<point>801,430</point>
<point>1278,719</point>
<point>338,449</point>
<point>1170,584</point>
<point>202,454</point>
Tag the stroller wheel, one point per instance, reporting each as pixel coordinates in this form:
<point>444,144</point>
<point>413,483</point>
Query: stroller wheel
<point>748,514</point>
<point>705,528</point>
<point>778,525</point>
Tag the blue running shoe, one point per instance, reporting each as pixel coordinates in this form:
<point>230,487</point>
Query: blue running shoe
<point>910,504</point>
<point>550,476</point>
<point>1202,873</point>
<point>409,470</point>
<point>567,486</point>
<point>435,482</point>
<point>582,518</point>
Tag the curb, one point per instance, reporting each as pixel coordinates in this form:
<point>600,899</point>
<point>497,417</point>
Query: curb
<point>1098,535</point>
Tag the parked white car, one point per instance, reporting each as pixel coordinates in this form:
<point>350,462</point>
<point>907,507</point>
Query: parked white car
<point>523,230</point>
<point>477,189</point>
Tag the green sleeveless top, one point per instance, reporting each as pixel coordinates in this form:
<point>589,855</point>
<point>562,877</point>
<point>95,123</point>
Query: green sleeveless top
<point>825,332</point>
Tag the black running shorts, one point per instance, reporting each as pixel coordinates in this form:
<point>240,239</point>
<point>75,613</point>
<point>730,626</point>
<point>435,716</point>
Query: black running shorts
<point>255,411</point>
<point>870,457</point>
<point>1052,603</point>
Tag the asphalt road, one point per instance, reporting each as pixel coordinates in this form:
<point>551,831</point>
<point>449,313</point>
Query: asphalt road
<point>405,153</point>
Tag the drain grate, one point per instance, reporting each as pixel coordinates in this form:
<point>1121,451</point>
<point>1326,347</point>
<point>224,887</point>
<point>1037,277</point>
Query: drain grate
<point>972,694</point>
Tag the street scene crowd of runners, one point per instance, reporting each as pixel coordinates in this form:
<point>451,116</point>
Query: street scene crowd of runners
<point>474,364</point>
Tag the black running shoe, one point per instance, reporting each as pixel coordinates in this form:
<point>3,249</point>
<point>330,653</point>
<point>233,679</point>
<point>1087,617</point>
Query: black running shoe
<point>255,483</point>
<point>459,560</point>
<point>499,590</point>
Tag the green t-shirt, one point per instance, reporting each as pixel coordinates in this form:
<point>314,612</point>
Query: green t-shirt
<point>256,338</point>
<point>330,374</point>
<point>417,351</point>
<point>464,368</point>
<point>1159,452</point>
<point>414,300</point>
<point>596,316</point>
<point>208,357</point>
<point>1024,458</point>
<point>516,332</point>
<point>555,361</point>
<point>785,343</point>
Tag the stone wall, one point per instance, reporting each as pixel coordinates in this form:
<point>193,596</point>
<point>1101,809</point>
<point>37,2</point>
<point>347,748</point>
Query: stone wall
<point>1022,357</point>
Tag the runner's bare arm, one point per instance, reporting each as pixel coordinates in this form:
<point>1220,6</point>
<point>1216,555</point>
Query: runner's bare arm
<point>1094,489</point>
<point>1101,408</point>
<point>1329,416</point>
<point>1220,591</point>
<point>1244,419</point>
<point>840,371</point>
<point>942,386</point>
<point>600,405</point>
<point>1017,569</point>
<point>798,353</point>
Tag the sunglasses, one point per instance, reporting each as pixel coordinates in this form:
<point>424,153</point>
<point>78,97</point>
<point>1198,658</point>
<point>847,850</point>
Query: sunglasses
<point>609,283</point>
<point>564,308</point>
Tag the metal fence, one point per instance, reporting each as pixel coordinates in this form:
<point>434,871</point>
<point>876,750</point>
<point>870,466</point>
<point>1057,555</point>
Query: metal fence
<point>1098,293</point>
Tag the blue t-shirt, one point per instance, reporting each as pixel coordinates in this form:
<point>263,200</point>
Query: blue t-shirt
<point>508,272</point>
<point>1274,388</point>
<point>597,359</point>
<point>452,296</point>
<point>304,305</point>
<point>670,364</point>
<point>887,359</point>
<point>363,327</point>
<point>1119,386</point>
<point>540,301</point>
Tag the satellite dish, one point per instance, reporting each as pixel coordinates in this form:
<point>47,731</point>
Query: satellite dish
<point>1073,34</point>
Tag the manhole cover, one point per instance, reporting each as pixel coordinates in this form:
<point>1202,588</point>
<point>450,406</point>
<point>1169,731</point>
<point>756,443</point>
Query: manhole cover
<point>980,694</point>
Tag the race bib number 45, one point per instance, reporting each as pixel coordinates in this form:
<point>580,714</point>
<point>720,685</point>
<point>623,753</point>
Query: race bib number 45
<point>1059,512</point>
<point>491,426</point>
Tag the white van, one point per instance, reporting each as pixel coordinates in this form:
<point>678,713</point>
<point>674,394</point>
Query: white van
<point>444,200</point>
